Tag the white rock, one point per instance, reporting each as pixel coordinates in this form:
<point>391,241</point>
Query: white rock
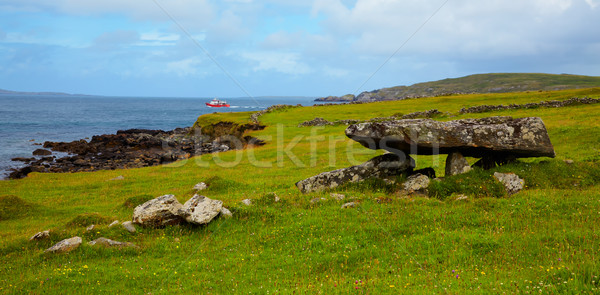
<point>247,202</point>
<point>158,212</point>
<point>200,209</point>
<point>416,182</point>
<point>40,236</point>
<point>90,228</point>
<point>338,197</point>
<point>65,245</point>
<point>200,186</point>
<point>113,223</point>
<point>120,177</point>
<point>226,213</point>
<point>349,205</point>
<point>128,225</point>
<point>461,197</point>
<point>110,243</point>
<point>511,182</point>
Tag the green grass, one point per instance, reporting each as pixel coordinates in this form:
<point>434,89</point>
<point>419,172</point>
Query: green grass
<point>543,238</point>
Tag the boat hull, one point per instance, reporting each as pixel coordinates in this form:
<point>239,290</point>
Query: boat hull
<point>217,105</point>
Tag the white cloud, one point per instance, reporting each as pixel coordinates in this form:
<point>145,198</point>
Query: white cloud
<point>184,67</point>
<point>286,63</point>
<point>593,3</point>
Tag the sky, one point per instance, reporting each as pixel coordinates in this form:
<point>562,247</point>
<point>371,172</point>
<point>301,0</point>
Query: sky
<point>242,48</point>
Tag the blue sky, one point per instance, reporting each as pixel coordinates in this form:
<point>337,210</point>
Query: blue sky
<point>236,48</point>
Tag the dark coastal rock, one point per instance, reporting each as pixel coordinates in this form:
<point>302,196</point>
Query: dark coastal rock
<point>497,136</point>
<point>42,152</point>
<point>381,166</point>
<point>23,159</point>
<point>135,148</point>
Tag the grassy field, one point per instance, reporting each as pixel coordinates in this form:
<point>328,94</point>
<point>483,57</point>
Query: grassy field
<point>541,240</point>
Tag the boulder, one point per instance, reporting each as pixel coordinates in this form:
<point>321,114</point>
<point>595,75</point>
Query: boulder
<point>200,209</point>
<point>226,213</point>
<point>113,223</point>
<point>338,197</point>
<point>110,243</point>
<point>200,186</point>
<point>415,183</point>
<point>40,236</point>
<point>42,152</point>
<point>128,226</point>
<point>456,164</point>
<point>512,182</point>
<point>66,245</point>
<point>158,212</point>
<point>497,136</point>
<point>381,166</point>
<point>349,205</point>
<point>247,202</point>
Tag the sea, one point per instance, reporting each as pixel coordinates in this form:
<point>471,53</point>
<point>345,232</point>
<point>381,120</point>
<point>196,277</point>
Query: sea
<point>26,121</point>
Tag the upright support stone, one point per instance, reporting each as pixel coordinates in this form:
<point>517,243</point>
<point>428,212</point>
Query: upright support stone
<point>456,164</point>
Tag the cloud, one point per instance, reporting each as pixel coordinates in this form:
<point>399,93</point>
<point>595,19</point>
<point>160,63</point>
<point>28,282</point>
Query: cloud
<point>286,63</point>
<point>593,3</point>
<point>184,67</point>
<point>158,39</point>
<point>115,40</point>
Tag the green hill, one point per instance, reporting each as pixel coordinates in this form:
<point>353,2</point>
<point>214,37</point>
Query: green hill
<point>480,83</point>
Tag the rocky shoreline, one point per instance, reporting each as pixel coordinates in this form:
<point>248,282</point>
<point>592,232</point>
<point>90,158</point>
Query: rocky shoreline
<point>133,148</point>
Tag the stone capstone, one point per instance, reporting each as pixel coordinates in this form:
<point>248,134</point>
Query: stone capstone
<point>66,245</point>
<point>497,136</point>
<point>381,166</point>
<point>158,212</point>
<point>200,209</point>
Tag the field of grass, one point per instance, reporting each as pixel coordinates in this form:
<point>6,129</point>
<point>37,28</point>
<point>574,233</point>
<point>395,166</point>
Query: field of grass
<point>541,240</point>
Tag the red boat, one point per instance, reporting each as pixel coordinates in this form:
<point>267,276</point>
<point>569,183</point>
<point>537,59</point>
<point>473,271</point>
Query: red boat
<point>216,103</point>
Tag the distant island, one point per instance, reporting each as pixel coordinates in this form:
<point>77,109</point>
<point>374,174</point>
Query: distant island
<point>479,83</point>
<point>10,92</point>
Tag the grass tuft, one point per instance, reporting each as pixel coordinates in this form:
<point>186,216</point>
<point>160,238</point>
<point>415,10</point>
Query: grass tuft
<point>87,219</point>
<point>13,207</point>
<point>137,200</point>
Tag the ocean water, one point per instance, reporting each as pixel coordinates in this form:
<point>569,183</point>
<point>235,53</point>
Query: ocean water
<point>27,120</point>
